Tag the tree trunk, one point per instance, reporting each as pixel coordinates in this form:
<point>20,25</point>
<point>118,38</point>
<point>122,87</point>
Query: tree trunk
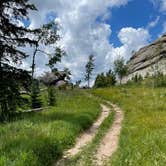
<point>33,61</point>
<point>88,80</point>
<point>3,103</point>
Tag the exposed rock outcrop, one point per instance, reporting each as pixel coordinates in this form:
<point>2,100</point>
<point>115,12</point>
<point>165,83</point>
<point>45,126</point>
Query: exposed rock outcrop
<point>148,59</point>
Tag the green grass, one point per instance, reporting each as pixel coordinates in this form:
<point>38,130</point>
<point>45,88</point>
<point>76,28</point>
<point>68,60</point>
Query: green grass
<point>143,137</point>
<point>39,139</point>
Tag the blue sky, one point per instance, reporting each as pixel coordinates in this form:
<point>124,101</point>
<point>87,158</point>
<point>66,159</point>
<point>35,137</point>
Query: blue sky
<point>105,28</point>
<point>137,13</point>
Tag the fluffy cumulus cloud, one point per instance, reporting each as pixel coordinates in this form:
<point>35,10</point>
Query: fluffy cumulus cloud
<point>82,34</point>
<point>132,40</point>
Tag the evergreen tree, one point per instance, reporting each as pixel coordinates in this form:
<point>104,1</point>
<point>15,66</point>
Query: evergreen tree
<point>89,68</point>
<point>100,81</point>
<point>110,78</point>
<point>105,80</point>
<point>13,36</point>
<point>51,96</point>
<point>35,95</point>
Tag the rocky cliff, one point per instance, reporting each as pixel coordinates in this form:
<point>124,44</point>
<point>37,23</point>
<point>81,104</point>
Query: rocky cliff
<point>148,59</point>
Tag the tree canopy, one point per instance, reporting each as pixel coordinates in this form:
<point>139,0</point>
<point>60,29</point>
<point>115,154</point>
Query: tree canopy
<point>120,68</point>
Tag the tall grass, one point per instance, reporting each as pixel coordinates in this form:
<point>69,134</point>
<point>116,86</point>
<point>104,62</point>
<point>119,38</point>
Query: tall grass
<point>39,139</point>
<point>143,137</point>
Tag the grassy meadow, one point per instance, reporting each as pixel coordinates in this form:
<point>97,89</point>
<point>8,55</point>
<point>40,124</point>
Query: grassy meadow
<point>39,139</point>
<point>143,137</point>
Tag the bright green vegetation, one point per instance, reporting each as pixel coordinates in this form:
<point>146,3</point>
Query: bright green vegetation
<point>143,137</point>
<point>39,139</point>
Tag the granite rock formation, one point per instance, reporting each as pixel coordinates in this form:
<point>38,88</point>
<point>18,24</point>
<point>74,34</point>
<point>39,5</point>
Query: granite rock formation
<point>148,59</point>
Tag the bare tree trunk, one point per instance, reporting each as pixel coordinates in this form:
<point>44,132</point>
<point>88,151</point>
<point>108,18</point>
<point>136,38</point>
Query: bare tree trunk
<point>88,81</point>
<point>3,103</point>
<point>33,61</point>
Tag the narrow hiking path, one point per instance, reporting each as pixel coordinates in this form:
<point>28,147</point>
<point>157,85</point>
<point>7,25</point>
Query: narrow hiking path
<point>109,143</point>
<point>89,134</point>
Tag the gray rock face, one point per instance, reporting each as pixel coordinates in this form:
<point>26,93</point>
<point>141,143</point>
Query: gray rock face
<point>148,59</point>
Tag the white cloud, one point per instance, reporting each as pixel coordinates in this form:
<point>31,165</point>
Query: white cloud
<point>83,35</point>
<point>161,4</point>
<point>132,40</point>
<point>132,36</point>
<point>153,23</point>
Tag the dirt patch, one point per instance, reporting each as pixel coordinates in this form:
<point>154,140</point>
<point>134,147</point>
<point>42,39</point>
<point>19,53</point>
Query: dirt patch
<point>109,143</point>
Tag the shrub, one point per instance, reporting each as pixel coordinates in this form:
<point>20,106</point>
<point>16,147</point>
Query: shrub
<point>51,96</point>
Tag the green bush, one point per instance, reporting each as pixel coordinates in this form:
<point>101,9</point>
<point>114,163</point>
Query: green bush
<point>51,96</point>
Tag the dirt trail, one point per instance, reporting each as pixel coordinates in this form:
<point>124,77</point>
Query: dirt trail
<point>109,143</point>
<point>88,135</point>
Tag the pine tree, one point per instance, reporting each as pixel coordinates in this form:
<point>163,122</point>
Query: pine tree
<point>89,68</point>
<point>51,96</point>
<point>13,36</point>
<point>105,80</point>
<point>35,95</point>
<point>110,78</point>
